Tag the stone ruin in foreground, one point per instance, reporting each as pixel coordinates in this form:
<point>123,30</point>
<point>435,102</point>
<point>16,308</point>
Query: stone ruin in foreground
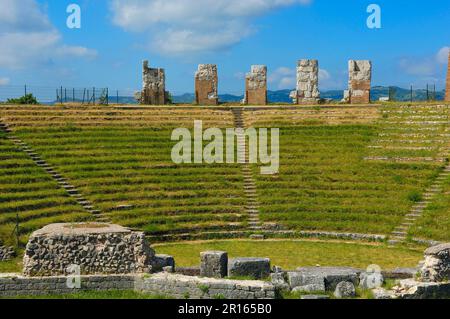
<point>96,248</point>
<point>256,86</point>
<point>307,91</point>
<point>153,86</point>
<point>206,85</point>
<point>359,85</point>
<point>113,257</point>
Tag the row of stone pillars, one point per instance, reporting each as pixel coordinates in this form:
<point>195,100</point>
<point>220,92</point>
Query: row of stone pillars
<point>307,88</point>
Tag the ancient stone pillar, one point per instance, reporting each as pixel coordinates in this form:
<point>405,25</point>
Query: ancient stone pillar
<point>447,90</point>
<point>359,84</point>
<point>307,91</point>
<point>154,86</point>
<point>206,85</point>
<point>256,86</point>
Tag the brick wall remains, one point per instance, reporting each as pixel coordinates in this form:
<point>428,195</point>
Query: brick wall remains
<point>256,86</point>
<point>206,85</point>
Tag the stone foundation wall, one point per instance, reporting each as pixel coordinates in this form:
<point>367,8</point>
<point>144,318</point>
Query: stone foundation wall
<point>182,287</point>
<point>153,86</point>
<point>307,83</point>
<point>447,90</point>
<point>206,85</point>
<point>256,86</point>
<point>16,285</point>
<point>100,249</point>
<point>360,78</point>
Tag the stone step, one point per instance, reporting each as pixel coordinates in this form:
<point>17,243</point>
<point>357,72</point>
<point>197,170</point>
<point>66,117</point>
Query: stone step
<point>73,192</point>
<point>89,207</point>
<point>400,233</point>
<point>252,211</point>
<point>95,212</point>
<point>255,228</point>
<point>257,237</point>
<point>414,215</point>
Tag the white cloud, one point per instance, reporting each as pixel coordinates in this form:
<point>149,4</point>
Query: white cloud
<point>282,78</point>
<point>442,55</point>
<point>181,26</point>
<point>428,66</point>
<point>27,36</point>
<point>4,81</point>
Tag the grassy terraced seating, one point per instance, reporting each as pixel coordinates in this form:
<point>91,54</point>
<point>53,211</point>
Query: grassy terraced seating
<point>362,177</point>
<point>28,190</point>
<point>344,169</point>
<point>122,158</point>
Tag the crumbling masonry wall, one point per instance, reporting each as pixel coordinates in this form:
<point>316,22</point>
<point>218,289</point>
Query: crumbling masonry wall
<point>206,83</point>
<point>447,90</point>
<point>94,248</point>
<point>256,86</point>
<point>307,91</point>
<point>360,78</point>
<point>154,86</point>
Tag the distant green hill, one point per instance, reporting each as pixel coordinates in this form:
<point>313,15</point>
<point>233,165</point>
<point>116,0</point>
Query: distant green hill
<point>282,96</point>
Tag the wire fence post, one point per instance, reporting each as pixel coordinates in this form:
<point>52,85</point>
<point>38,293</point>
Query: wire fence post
<point>107,96</point>
<point>25,89</point>
<point>73,95</point>
<point>117,96</point>
<point>411,93</point>
<point>93,96</point>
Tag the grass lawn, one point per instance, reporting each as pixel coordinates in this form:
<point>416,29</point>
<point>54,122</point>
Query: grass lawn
<point>296,253</point>
<point>11,266</point>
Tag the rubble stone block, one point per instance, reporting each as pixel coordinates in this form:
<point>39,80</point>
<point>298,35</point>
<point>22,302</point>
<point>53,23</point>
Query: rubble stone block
<point>153,87</point>
<point>436,267</point>
<point>257,268</point>
<point>206,85</point>
<point>214,264</point>
<point>95,248</point>
<point>256,86</point>
<point>307,90</point>
<point>160,261</point>
<point>359,85</point>
<point>331,275</point>
<point>447,90</point>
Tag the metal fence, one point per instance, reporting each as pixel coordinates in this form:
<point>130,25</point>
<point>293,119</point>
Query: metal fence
<point>61,95</point>
<point>105,96</point>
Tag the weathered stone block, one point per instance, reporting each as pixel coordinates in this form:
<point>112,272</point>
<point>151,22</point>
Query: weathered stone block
<point>257,268</point>
<point>306,281</point>
<point>206,85</point>
<point>345,289</point>
<point>153,87</point>
<point>307,90</point>
<point>360,77</point>
<point>256,86</point>
<point>95,248</point>
<point>331,275</point>
<point>214,264</point>
<point>436,267</point>
<point>6,253</point>
<point>160,261</point>
<point>447,90</point>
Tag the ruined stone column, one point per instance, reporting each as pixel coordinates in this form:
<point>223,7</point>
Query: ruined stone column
<point>256,86</point>
<point>359,84</point>
<point>307,83</point>
<point>154,86</point>
<point>447,90</point>
<point>206,85</point>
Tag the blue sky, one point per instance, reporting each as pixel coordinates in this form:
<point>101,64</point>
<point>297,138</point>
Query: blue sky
<point>116,35</point>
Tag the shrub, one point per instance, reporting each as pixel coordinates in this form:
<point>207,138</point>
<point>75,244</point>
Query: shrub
<point>26,99</point>
<point>415,197</point>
